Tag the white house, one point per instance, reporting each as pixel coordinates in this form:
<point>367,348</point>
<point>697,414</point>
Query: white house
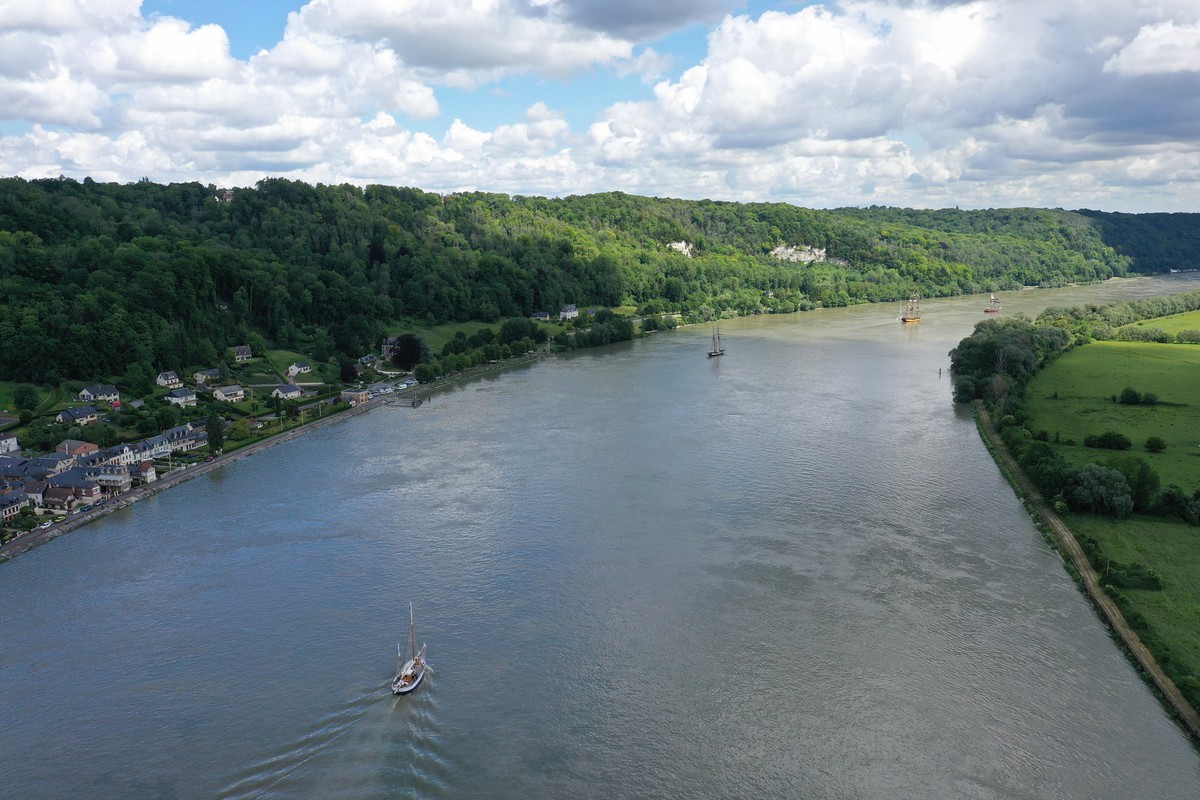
<point>105,392</point>
<point>229,394</point>
<point>569,311</point>
<point>207,375</point>
<point>288,391</point>
<point>241,353</point>
<point>299,368</point>
<point>182,397</point>
<point>8,444</point>
<point>78,416</point>
<point>168,380</point>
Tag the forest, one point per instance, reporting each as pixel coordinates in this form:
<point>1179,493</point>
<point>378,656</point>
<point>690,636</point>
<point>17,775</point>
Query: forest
<point>98,280</point>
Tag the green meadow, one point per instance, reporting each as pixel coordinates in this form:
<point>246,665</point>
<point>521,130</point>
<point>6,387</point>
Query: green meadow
<point>1172,614</point>
<point>1172,324</point>
<point>1073,397</point>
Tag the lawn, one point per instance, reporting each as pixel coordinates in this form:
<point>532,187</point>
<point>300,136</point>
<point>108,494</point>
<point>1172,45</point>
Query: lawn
<point>1072,398</point>
<point>280,360</point>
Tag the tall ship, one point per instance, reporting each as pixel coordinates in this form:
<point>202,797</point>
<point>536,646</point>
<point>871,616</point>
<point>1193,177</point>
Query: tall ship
<point>410,673</point>
<point>993,306</point>
<point>912,310</point>
<point>718,349</point>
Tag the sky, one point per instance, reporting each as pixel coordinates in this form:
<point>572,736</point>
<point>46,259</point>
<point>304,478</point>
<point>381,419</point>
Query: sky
<point>914,103</point>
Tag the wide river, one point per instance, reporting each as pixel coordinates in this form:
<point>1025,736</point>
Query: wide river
<point>793,571</point>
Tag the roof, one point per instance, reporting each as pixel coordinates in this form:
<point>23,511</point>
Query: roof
<point>169,375</point>
<point>184,392</point>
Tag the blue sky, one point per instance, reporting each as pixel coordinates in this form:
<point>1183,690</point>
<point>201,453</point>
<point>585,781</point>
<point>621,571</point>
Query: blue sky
<point>924,103</point>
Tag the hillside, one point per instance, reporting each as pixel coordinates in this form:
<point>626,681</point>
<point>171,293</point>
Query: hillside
<point>97,278</point>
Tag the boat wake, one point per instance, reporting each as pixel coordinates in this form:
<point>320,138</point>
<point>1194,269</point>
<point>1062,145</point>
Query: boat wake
<point>369,747</point>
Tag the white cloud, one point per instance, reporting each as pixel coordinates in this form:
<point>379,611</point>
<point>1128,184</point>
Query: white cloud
<point>1159,48</point>
<point>909,102</point>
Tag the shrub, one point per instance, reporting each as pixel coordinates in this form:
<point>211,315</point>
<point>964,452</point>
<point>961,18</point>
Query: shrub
<point>1130,396</point>
<point>1155,444</point>
<point>1149,399</point>
<point>1109,440</point>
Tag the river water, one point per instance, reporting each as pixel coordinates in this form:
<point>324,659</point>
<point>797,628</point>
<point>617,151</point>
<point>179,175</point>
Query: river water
<point>793,571</point>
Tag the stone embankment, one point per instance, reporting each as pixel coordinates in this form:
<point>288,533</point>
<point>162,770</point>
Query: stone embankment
<point>1069,545</point>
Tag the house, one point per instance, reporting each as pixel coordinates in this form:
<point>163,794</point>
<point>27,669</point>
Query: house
<point>121,454</point>
<point>355,396</point>
<point>144,473</point>
<point>168,380</point>
<point>229,394</point>
<point>59,499</point>
<point>106,393</point>
<point>154,447</point>
<point>113,478</point>
<point>53,464</point>
<point>241,353</point>
<point>78,416</point>
<point>76,448</point>
<point>289,391</point>
<point>8,444</point>
<point>540,316</point>
<point>390,345</point>
<point>569,311</point>
<point>34,491</point>
<point>185,437</point>
<point>207,375</point>
<point>299,368</point>
<point>76,481</point>
<point>182,397</point>
<point>11,504</point>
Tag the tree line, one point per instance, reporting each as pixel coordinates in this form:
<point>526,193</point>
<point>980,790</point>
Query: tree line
<point>106,281</point>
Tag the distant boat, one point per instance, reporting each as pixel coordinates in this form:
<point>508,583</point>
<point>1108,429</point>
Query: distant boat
<point>409,673</point>
<point>912,310</point>
<point>718,349</point>
<point>993,306</point>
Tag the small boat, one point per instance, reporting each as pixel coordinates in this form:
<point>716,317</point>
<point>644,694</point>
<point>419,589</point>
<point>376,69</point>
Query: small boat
<point>718,349</point>
<point>912,310</point>
<point>993,306</point>
<point>409,673</point>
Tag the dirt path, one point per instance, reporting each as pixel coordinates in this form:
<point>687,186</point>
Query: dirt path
<point>1186,714</point>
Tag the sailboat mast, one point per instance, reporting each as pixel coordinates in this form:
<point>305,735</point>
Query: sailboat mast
<point>412,631</point>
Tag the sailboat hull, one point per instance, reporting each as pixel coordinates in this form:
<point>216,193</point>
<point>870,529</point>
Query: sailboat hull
<point>399,687</point>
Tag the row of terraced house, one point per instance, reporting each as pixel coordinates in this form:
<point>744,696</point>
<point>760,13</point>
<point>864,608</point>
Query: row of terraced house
<point>79,474</point>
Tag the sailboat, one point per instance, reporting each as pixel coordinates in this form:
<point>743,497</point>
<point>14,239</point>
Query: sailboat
<point>409,673</point>
<point>912,310</point>
<point>718,349</point>
<point>993,306</point>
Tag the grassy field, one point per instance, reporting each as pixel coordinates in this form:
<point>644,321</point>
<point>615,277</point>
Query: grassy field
<point>1173,550</point>
<point>1172,324</point>
<point>1072,398</point>
<point>280,360</point>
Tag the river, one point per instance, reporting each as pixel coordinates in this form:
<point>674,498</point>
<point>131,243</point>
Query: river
<point>793,571</point>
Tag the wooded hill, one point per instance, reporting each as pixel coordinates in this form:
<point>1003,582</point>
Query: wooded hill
<point>96,279</point>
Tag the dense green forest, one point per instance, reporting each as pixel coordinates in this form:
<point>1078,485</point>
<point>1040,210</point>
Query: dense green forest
<point>98,279</point>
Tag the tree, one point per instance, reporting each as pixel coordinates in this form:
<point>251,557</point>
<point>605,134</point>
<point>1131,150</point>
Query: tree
<point>25,397</point>
<point>346,371</point>
<point>1155,444</point>
<point>409,351</point>
<point>1101,490</point>
<point>1130,396</point>
<point>216,432</point>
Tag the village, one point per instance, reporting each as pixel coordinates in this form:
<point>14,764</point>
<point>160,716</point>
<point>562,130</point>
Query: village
<point>41,490</point>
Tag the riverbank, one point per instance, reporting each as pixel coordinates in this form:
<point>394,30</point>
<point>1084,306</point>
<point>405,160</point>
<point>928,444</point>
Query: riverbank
<point>39,536</point>
<point>1066,543</point>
